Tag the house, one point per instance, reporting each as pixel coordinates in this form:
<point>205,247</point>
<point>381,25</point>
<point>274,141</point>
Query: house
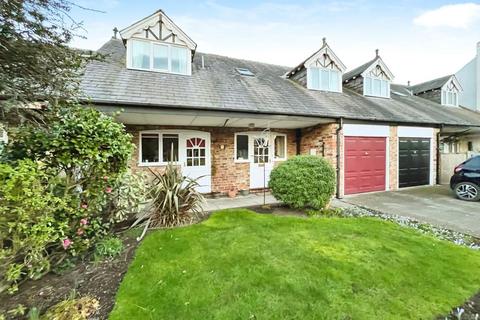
<point>230,121</point>
<point>469,77</point>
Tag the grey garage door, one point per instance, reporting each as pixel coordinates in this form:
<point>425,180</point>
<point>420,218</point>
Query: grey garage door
<point>414,162</point>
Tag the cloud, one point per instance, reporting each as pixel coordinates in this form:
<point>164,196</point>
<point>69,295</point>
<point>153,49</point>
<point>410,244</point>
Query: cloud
<point>461,16</point>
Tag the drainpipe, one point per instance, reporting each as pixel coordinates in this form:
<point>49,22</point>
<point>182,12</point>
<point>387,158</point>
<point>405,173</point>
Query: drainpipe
<point>438,154</point>
<point>298,140</point>
<point>339,129</point>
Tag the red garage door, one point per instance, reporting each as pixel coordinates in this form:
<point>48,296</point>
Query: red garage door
<point>365,161</point>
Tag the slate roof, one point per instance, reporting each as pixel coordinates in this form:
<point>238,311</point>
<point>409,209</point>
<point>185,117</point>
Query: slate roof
<point>219,87</point>
<point>358,71</point>
<point>430,85</point>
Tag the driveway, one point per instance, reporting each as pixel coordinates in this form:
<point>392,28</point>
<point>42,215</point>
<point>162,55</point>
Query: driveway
<point>433,204</point>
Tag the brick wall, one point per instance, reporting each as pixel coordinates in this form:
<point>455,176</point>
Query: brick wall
<point>393,158</point>
<point>226,174</point>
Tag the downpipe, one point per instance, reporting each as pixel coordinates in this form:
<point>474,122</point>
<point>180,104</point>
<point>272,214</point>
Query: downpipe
<point>338,132</point>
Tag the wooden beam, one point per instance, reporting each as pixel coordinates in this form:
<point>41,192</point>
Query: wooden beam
<point>168,37</point>
<point>153,34</point>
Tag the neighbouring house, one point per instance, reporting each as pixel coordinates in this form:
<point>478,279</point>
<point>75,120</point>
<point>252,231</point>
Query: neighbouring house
<point>458,90</point>
<point>469,77</point>
<point>230,121</point>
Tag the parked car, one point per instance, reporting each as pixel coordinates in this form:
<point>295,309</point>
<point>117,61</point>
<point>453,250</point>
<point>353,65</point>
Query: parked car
<point>465,181</point>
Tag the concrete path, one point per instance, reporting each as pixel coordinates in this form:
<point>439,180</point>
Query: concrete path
<point>253,199</point>
<point>434,204</point>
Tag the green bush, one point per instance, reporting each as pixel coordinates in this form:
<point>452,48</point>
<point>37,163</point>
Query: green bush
<point>61,191</point>
<point>108,247</point>
<point>303,182</point>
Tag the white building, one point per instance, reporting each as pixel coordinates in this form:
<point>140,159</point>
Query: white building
<point>469,78</point>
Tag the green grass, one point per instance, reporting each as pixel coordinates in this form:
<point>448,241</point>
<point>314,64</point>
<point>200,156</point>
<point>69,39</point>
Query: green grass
<point>242,265</point>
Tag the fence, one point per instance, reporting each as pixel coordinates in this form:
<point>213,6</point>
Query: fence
<point>448,162</point>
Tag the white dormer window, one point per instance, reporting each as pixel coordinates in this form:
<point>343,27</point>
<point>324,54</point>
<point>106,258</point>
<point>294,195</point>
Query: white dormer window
<point>324,79</point>
<point>450,93</point>
<point>158,56</point>
<point>377,79</point>
<point>376,87</point>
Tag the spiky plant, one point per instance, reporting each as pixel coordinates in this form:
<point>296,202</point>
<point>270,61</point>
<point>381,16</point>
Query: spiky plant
<point>174,200</point>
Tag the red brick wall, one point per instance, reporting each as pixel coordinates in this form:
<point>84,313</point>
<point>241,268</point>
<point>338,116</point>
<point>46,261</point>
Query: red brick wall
<point>393,158</point>
<point>226,174</point>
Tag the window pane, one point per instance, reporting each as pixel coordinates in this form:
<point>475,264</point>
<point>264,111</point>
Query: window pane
<point>334,80</point>
<point>455,99</point>
<point>384,86</point>
<point>140,54</point>
<point>149,148</point>
<point>325,79</point>
<point>160,57</point>
<point>170,147</point>
<point>242,147</point>
<point>178,59</point>
<point>449,101</point>
<point>315,78</point>
<point>377,87</point>
<point>280,147</point>
<point>368,86</point>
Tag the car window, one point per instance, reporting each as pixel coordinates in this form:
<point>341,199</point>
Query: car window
<point>473,163</point>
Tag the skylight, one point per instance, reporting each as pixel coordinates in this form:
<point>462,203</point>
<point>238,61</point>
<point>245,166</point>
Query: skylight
<point>245,72</point>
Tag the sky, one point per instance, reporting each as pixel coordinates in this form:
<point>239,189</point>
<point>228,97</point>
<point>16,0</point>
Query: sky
<point>418,40</point>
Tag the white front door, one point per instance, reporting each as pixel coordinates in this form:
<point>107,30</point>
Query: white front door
<point>195,158</point>
<point>261,163</point>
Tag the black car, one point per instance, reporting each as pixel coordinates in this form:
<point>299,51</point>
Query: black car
<point>466,180</point>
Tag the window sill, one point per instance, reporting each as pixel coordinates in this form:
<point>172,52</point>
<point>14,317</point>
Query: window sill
<point>241,161</point>
<point>159,71</point>
<point>156,164</point>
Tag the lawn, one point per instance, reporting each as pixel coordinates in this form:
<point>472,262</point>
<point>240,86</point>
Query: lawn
<point>243,265</point>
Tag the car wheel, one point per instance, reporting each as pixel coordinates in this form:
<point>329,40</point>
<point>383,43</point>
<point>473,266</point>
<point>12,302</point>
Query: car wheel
<point>467,191</point>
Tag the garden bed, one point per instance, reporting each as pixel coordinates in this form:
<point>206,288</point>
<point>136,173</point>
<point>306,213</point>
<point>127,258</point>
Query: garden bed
<point>96,279</point>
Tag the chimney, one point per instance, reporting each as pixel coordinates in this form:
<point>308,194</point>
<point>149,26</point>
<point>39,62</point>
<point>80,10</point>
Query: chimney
<point>203,62</point>
<point>115,31</point>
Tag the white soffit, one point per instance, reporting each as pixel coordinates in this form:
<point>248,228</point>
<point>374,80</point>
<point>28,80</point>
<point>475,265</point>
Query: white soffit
<point>415,132</point>
<point>151,116</point>
<point>365,130</point>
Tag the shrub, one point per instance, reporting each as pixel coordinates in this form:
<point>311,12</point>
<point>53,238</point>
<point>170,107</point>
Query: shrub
<point>174,200</point>
<point>303,182</point>
<point>108,247</point>
<point>61,190</point>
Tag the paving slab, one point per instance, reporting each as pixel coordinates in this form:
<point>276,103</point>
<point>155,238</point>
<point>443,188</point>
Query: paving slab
<point>432,204</point>
<point>253,199</point>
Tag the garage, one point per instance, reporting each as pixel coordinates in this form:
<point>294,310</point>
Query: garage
<point>414,156</point>
<point>365,164</point>
<point>413,162</point>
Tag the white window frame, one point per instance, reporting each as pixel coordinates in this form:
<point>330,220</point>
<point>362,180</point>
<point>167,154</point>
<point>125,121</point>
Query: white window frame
<point>370,94</point>
<point>309,79</point>
<point>444,98</point>
<point>271,151</point>
<point>160,149</point>
<point>152,43</point>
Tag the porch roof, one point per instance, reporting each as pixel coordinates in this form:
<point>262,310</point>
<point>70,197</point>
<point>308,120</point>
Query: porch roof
<point>219,87</point>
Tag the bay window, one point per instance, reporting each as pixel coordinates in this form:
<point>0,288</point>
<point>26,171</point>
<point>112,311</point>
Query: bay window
<point>324,79</point>
<point>376,87</point>
<point>164,57</point>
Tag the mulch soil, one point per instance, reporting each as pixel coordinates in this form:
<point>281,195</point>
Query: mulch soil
<point>96,279</point>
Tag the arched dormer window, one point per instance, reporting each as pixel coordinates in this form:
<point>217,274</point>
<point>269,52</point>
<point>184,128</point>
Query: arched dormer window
<point>450,92</point>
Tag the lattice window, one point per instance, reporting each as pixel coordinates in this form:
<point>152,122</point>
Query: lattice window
<point>260,150</point>
<point>196,152</point>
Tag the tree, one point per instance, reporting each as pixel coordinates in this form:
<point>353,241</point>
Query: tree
<point>36,63</point>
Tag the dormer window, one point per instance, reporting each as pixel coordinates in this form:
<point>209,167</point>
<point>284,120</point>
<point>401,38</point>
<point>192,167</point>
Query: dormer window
<point>376,87</point>
<point>157,56</point>
<point>324,79</point>
<point>321,71</point>
<point>450,94</point>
